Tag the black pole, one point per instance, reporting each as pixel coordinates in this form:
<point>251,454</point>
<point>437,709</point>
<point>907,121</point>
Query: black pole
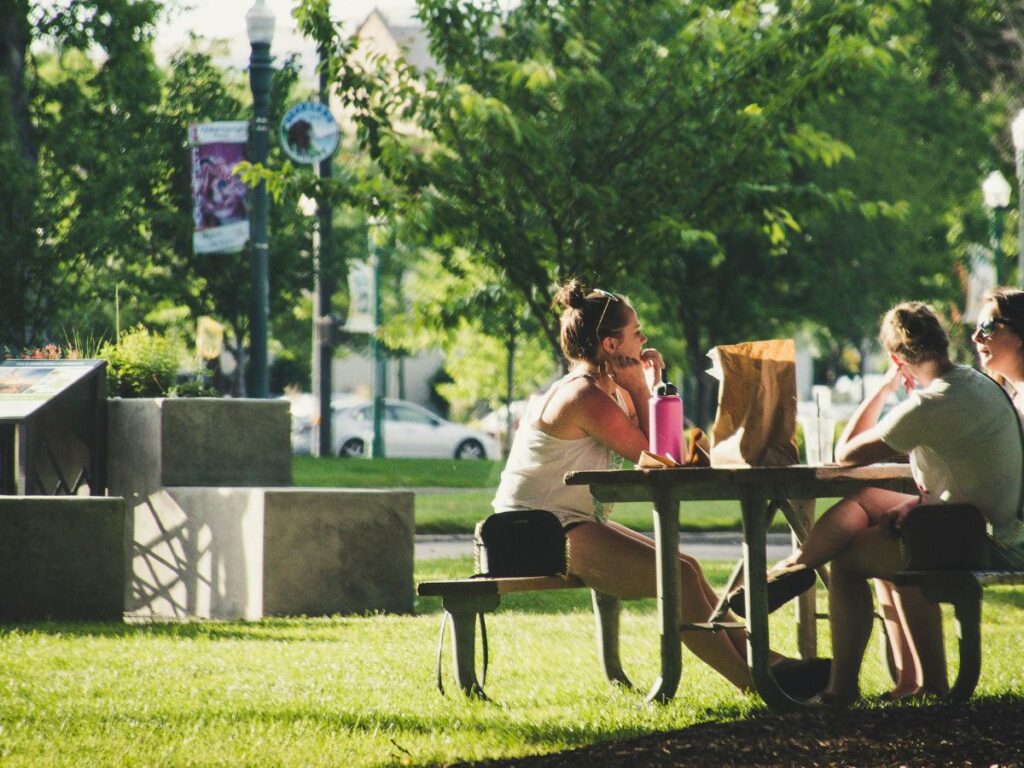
<point>259,144</point>
<point>325,290</point>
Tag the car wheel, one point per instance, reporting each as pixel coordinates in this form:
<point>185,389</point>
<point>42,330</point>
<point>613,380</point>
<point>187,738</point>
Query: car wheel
<point>470,449</point>
<point>353,448</point>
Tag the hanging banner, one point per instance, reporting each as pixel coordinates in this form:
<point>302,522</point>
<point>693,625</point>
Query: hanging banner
<point>209,338</point>
<point>361,297</point>
<point>220,211</point>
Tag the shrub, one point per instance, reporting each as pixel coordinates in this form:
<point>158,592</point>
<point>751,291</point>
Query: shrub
<point>142,364</point>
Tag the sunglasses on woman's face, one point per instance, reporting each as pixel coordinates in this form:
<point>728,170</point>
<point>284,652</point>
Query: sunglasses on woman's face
<point>988,327</point>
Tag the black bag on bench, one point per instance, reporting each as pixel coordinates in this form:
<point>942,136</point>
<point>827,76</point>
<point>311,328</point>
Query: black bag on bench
<point>527,542</point>
<point>944,537</point>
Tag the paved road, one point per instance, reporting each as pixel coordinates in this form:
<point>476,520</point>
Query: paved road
<point>703,546</point>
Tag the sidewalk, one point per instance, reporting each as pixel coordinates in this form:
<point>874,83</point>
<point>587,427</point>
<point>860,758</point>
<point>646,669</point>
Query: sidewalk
<point>703,546</point>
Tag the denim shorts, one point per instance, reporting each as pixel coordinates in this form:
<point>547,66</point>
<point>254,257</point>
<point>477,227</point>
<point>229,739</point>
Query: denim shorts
<point>1006,558</point>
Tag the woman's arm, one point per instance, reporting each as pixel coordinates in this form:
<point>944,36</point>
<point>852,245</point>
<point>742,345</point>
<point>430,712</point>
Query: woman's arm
<point>860,443</point>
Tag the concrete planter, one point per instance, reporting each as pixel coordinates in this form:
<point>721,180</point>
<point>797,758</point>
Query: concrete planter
<point>201,441</point>
<point>215,533</point>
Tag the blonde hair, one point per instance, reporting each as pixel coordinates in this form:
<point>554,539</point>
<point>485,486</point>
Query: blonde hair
<point>912,331</point>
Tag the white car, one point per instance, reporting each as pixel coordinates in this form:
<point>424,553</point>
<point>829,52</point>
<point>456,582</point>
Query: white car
<point>410,431</point>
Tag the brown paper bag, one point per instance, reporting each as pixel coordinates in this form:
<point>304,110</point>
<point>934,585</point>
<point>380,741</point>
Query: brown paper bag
<point>756,421</point>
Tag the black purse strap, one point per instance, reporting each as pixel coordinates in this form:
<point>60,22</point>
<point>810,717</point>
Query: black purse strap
<point>440,649</point>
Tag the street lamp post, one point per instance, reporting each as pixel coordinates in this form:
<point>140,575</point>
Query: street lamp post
<point>995,191</point>
<point>1017,129</point>
<point>259,22</point>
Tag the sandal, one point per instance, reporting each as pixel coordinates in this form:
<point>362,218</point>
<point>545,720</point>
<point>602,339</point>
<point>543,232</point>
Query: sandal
<point>783,586</point>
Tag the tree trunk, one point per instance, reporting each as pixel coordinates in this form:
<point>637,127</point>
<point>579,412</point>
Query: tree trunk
<point>17,180</point>
<point>14,40</point>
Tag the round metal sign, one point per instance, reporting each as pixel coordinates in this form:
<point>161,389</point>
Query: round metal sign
<point>309,132</point>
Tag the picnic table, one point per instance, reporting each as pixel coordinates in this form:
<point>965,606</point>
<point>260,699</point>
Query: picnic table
<point>761,492</point>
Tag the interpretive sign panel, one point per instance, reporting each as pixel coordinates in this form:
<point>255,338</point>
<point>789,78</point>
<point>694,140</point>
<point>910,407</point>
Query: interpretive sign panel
<point>26,385</point>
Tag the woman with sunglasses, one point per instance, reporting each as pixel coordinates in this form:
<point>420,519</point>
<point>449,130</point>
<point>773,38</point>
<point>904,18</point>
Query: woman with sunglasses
<point>999,340</point>
<point>598,409</point>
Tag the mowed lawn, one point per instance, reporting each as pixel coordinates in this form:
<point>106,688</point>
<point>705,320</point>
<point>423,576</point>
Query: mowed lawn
<point>359,691</point>
<point>452,496</point>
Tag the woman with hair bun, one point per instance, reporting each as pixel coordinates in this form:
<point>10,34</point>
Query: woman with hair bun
<point>964,447</point>
<point>600,408</point>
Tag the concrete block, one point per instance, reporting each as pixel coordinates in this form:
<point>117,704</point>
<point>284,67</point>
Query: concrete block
<point>62,558</point>
<point>244,553</point>
<point>211,442</point>
<point>197,552</point>
<point>337,551</point>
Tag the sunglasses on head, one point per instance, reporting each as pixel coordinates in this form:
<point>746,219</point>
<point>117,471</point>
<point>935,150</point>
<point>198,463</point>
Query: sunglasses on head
<point>987,328</point>
<point>609,297</point>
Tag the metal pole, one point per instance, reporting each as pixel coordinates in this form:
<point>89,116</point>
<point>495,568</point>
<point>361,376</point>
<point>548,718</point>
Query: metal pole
<point>1020,221</point>
<point>997,242</point>
<point>379,363</point>
<point>259,143</point>
<point>325,289</point>
<point>510,389</point>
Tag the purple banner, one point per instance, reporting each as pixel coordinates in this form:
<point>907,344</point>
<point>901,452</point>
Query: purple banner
<point>220,209</point>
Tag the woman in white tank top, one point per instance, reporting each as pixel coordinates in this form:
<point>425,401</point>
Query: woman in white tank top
<point>600,408</point>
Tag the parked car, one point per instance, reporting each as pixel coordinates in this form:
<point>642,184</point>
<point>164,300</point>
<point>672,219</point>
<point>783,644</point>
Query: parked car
<point>302,409</point>
<point>410,431</point>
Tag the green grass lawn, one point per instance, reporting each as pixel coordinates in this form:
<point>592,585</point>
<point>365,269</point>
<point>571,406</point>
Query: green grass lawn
<point>472,485</point>
<point>359,691</point>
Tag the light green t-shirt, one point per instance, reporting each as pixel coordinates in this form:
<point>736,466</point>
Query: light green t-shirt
<point>964,443</point>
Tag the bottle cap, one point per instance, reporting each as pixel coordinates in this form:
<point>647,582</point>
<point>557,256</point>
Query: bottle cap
<point>665,388</point>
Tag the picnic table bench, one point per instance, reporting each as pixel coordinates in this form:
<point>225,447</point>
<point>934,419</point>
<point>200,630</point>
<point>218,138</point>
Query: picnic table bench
<point>963,590</point>
<point>463,600</point>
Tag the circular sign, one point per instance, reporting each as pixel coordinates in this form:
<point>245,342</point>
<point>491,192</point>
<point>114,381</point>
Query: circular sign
<point>309,132</point>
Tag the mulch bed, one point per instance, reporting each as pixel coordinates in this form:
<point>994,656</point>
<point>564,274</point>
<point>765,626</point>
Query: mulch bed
<point>987,733</point>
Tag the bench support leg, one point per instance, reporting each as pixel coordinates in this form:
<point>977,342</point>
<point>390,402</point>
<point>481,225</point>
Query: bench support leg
<point>463,612</point>
<point>966,601</point>
<point>606,611</point>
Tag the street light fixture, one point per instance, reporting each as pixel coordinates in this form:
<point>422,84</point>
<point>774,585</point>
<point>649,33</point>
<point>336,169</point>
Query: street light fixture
<point>1017,130</point>
<point>995,191</point>
<point>259,22</point>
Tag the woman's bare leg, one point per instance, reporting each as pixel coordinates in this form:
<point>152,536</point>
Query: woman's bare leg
<point>608,559</point>
<point>840,524</point>
<point>737,636</point>
<point>923,621</point>
<point>908,679</point>
<point>872,553</point>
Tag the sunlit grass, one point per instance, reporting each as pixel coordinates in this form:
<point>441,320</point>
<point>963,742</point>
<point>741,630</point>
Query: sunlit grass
<point>360,691</point>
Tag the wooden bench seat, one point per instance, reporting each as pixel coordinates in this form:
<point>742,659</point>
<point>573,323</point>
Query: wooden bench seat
<point>963,590</point>
<point>465,599</point>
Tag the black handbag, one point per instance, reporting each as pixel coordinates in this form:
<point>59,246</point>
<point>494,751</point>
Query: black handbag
<point>945,537</point>
<point>527,542</point>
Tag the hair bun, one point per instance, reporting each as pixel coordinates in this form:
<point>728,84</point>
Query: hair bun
<point>571,294</point>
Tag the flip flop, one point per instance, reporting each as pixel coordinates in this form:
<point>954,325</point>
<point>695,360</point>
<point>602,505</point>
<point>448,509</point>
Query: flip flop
<point>783,586</point>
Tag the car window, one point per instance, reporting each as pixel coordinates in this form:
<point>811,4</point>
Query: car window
<point>362,413</point>
<point>408,415</point>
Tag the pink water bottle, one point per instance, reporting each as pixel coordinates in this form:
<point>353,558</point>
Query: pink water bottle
<point>666,420</point>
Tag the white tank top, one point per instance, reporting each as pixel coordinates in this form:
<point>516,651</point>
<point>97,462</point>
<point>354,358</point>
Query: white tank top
<point>537,464</point>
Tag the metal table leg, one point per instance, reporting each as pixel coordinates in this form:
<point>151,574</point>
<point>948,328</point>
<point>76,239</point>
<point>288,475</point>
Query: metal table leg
<point>755,518</point>
<point>666,538</point>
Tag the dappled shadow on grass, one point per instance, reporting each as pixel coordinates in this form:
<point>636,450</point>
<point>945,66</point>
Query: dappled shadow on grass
<point>986,732</point>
